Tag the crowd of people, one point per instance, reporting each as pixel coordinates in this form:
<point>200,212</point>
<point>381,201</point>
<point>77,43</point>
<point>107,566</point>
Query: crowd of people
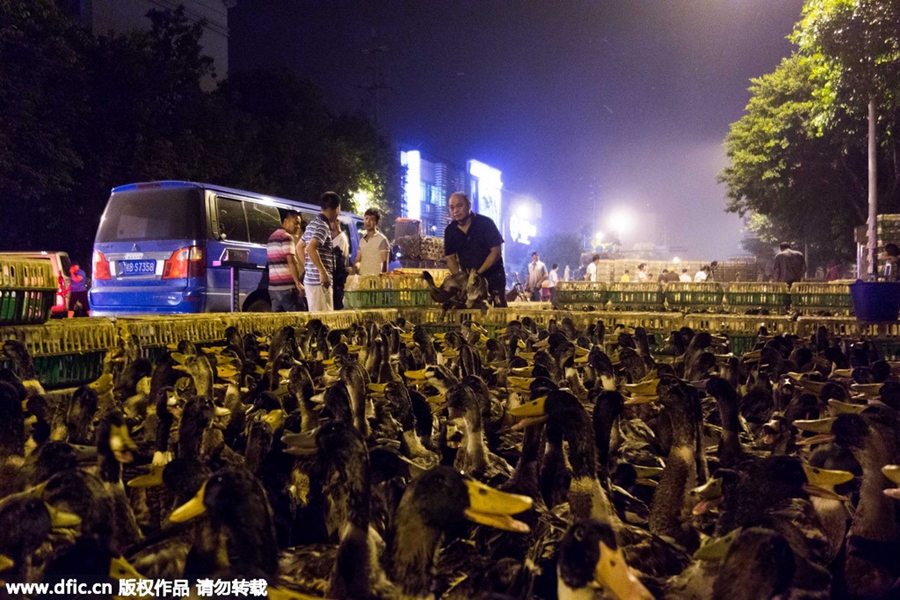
<point>308,268</point>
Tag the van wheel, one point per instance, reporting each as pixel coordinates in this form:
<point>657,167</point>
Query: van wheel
<point>258,305</point>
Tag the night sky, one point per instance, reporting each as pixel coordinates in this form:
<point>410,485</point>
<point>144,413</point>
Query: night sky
<point>628,100</point>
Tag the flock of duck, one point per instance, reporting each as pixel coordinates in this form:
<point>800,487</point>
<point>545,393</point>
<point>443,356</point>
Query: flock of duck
<point>385,462</point>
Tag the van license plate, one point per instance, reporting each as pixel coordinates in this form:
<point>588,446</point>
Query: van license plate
<point>136,267</point>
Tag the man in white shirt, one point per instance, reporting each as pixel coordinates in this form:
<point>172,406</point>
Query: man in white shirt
<point>642,273</point>
<point>537,273</point>
<point>552,281</point>
<point>374,248</point>
<point>685,277</point>
<point>590,273</point>
<point>701,275</point>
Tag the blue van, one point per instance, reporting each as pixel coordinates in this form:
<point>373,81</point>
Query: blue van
<point>160,246</point>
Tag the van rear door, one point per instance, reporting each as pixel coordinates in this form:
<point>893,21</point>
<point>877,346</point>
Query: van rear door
<point>149,254</point>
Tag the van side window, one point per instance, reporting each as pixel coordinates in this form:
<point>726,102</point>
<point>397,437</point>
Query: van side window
<point>231,219</point>
<point>263,221</point>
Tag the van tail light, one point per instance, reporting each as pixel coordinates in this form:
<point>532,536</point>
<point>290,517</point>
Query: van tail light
<point>185,262</point>
<point>100,266</point>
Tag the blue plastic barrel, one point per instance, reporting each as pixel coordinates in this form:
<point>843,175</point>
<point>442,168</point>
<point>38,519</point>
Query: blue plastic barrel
<point>875,300</point>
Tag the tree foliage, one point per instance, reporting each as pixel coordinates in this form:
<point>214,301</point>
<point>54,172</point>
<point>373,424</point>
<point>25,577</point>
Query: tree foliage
<point>798,155</point>
<point>81,114</point>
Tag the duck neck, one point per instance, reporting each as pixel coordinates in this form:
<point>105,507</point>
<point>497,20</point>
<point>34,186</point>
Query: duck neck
<point>587,498</point>
<point>875,517</point>
<point>730,444</point>
<point>415,545</point>
<point>476,447</point>
<point>669,500</point>
<point>564,592</point>
<point>525,479</point>
<point>351,575</point>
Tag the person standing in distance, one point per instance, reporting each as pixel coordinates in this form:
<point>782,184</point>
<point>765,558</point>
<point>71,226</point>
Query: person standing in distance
<point>374,248</point>
<point>790,266</point>
<point>320,255</point>
<point>537,273</point>
<point>590,274</point>
<point>472,241</point>
<point>284,271</point>
<point>77,290</point>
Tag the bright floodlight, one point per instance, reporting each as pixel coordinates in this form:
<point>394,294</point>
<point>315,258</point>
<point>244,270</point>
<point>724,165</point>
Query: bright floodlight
<point>622,222</point>
<point>676,260</point>
<point>598,237</point>
<point>523,211</point>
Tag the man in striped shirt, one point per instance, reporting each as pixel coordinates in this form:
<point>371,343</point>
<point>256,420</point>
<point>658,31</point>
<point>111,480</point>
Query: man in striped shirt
<point>284,272</point>
<point>320,255</point>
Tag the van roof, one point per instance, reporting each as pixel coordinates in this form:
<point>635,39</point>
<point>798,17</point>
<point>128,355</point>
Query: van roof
<point>129,187</point>
<point>206,186</point>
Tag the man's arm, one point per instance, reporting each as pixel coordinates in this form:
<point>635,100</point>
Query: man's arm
<point>490,260</point>
<point>295,271</point>
<point>452,263</point>
<point>312,250</point>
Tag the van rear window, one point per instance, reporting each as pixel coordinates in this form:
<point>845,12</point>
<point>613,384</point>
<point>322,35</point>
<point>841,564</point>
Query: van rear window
<point>152,214</point>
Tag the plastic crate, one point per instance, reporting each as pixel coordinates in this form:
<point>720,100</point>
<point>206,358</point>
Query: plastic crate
<point>573,295</point>
<point>740,297</point>
<point>68,352</point>
<point>27,290</point>
<point>160,331</point>
<point>815,298</point>
<point>635,296</point>
<point>739,325</point>
<point>686,296</point>
<point>364,299</point>
<point>657,323</point>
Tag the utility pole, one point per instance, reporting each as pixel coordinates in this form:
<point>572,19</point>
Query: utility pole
<point>373,54</point>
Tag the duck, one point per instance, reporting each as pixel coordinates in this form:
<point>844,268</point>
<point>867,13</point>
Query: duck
<point>18,354</point>
<point>871,566</point>
<point>474,457</point>
<point>759,564</point>
<point>12,427</point>
<point>587,499</point>
<point>26,525</point>
<point>435,502</point>
<point>351,569</point>
<point>592,565</point>
<point>239,532</point>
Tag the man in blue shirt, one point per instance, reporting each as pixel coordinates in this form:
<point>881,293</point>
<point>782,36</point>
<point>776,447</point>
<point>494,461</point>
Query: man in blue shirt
<point>472,241</point>
<point>77,290</point>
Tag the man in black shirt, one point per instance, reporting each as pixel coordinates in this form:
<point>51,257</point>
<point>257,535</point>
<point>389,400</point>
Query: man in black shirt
<point>472,241</point>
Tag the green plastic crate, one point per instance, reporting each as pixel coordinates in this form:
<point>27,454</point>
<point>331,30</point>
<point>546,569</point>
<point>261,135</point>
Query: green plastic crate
<point>814,298</point>
<point>690,296</point>
<point>635,296</point>
<point>27,290</point>
<point>744,296</point>
<point>573,295</point>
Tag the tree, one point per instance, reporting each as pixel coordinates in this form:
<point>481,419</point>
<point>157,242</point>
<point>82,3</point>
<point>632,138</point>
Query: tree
<point>81,114</point>
<point>42,99</point>
<point>858,44</point>
<point>798,156</point>
<point>807,183</point>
